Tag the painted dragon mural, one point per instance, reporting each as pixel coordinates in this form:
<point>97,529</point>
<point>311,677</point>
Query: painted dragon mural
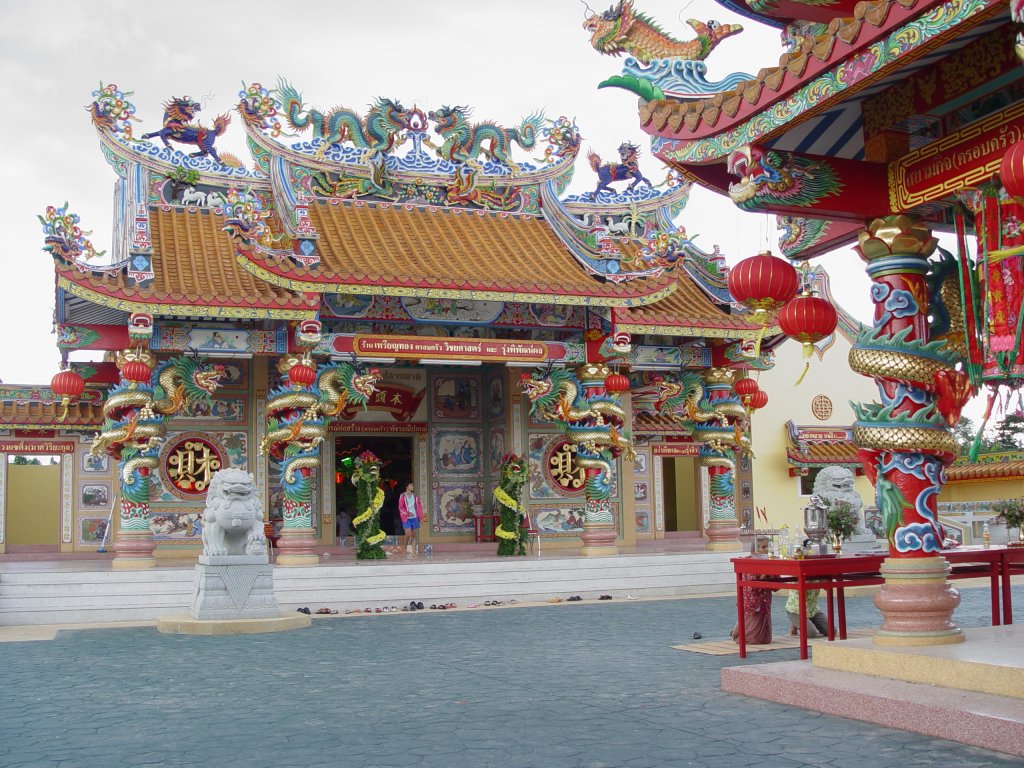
<point>592,420</point>
<point>134,426</point>
<point>297,422</point>
<point>772,178</point>
<point>621,29</point>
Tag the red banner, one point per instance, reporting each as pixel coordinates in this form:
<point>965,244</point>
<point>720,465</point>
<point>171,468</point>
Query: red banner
<point>374,428</point>
<point>400,401</point>
<point>675,449</point>
<point>825,434</point>
<point>37,446</point>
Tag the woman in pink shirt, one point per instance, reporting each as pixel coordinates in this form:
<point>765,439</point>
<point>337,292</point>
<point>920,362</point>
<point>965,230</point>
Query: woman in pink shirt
<point>411,511</point>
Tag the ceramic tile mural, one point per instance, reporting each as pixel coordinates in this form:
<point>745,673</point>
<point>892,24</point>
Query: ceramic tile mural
<point>643,519</point>
<point>456,398</point>
<point>496,396</point>
<point>558,519</point>
<point>496,449</point>
<point>457,451</point>
<point>452,510</point>
<point>538,486</point>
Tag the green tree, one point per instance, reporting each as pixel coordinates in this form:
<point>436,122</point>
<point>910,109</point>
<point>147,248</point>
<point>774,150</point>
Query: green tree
<point>1008,434</point>
<point>26,460</point>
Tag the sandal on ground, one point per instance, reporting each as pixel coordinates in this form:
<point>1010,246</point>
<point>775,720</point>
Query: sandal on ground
<point>323,610</point>
<point>419,606</point>
<point>554,599</point>
<point>304,610</point>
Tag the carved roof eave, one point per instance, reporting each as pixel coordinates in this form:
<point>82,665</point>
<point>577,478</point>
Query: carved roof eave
<point>702,327</point>
<point>769,105</point>
<point>98,291</point>
<point>163,161</point>
<point>360,170</point>
<point>275,272</point>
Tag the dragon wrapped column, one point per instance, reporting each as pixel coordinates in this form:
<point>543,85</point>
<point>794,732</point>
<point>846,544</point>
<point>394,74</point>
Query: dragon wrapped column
<point>716,453</point>
<point>905,442</point>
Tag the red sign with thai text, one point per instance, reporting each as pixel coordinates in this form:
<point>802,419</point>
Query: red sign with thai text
<point>445,348</point>
<point>377,427</point>
<point>675,449</point>
<point>825,434</point>
<point>37,446</point>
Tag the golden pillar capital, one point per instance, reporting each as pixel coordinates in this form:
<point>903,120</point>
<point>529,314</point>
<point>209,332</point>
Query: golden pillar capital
<point>720,377</point>
<point>900,235</point>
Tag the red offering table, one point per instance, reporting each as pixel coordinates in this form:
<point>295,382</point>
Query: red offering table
<point>836,572</point>
<point>484,527</point>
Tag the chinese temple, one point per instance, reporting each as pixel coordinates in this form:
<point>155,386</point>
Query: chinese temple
<point>394,283</point>
<point>882,123</point>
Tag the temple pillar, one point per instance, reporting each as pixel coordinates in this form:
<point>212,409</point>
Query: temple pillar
<point>905,443</point>
<point>723,529</point>
<point>133,540</point>
<point>599,531</point>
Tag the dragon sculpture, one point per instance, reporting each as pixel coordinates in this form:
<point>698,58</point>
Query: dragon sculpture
<point>464,143</point>
<point>798,234</point>
<point>627,168</point>
<point>593,423</point>
<point>621,29</point>
<point>508,496</point>
<point>769,177</point>
<point>905,441</point>
<point>379,133</point>
<point>297,422</point>
<point>179,113</point>
<point>68,243</point>
<point>133,424</point>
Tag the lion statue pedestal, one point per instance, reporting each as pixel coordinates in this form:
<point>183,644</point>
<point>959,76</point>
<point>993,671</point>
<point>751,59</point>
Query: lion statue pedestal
<point>234,579</point>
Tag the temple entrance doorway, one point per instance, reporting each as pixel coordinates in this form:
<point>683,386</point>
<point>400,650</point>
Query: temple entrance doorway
<point>395,454</point>
<point>681,494</point>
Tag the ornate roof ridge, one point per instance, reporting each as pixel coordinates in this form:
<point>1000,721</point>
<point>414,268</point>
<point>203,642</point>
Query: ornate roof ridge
<point>871,18</point>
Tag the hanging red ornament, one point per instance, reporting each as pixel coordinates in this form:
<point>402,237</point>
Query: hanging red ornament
<point>745,388</point>
<point>1011,170</point>
<point>301,375</point>
<point>137,372</point>
<point>763,283</point>
<point>69,385</point>
<point>808,319</point>
<point>758,400</point>
<point>616,383</point>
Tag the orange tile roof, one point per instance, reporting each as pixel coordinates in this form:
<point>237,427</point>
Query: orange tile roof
<point>194,265</point>
<point>822,454</point>
<point>407,250</point>
<point>985,470</point>
<point>686,311</point>
<point>82,417</point>
<point>645,422</point>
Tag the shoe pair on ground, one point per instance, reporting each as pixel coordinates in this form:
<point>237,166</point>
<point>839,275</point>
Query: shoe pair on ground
<point>444,606</point>
<point>605,597</point>
<point>493,602</point>
<point>573,599</point>
<point>415,606</point>
<point>324,611</point>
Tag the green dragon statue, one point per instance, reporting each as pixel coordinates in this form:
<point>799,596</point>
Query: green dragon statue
<point>464,143</point>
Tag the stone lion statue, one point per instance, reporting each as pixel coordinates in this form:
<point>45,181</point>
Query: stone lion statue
<point>233,519</point>
<point>836,484</point>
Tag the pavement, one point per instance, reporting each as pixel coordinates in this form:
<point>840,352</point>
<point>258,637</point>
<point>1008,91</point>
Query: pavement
<point>591,684</point>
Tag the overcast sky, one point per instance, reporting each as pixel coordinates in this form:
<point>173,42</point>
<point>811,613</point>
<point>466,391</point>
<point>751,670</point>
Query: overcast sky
<point>504,58</point>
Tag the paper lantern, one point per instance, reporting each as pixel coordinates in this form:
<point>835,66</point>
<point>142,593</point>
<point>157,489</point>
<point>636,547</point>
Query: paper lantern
<point>69,386</point>
<point>758,400</point>
<point>1011,170</point>
<point>616,383</point>
<point>136,372</point>
<point>807,319</point>
<point>745,388</point>
<point>301,375</point>
<point>763,282</point>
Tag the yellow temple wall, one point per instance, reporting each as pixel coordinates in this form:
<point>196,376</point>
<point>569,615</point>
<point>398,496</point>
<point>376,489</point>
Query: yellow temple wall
<point>33,504</point>
<point>981,490</point>
<point>773,488</point>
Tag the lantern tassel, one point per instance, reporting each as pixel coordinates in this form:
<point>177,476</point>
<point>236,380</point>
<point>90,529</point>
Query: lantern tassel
<point>66,403</point>
<point>760,334</point>
<point>807,352</point>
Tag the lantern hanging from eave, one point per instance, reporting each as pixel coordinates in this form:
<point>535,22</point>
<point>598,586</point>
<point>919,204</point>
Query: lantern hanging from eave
<point>764,283</point>
<point>808,319</point>
<point>745,388</point>
<point>68,385</point>
<point>758,400</point>
<point>1011,170</point>
<point>616,383</point>
<point>301,375</point>
<point>136,371</point>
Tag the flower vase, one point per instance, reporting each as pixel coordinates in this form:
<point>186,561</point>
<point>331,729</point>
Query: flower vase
<point>837,545</point>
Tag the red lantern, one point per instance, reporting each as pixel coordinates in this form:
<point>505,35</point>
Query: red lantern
<point>1011,170</point>
<point>69,385</point>
<point>808,319</point>
<point>745,388</point>
<point>301,375</point>
<point>758,400</point>
<point>616,383</point>
<point>136,372</point>
<point>763,282</point>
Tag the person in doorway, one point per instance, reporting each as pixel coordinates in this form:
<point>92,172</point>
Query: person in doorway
<point>817,624</point>
<point>411,511</point>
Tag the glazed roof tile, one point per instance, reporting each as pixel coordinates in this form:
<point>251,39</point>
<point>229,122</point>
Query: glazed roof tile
<point>83,417</point>
<point>671,117</point>
<point>823,454</point>
<point>381,248</point>
<point>986,470</point>
<point>685,309</point>
<point>194,265</point>
<point>646,422</point>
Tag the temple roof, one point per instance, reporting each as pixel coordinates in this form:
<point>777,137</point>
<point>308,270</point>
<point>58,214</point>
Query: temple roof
<point>996,466</point>
<point>824,455</point>
<point>412,250</point>
<point>82,417</point>
<point>184,285</point>
<point>649,423</point>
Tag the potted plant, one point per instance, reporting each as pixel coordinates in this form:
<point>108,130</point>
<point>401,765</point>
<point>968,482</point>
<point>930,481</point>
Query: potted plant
<point>1012,512</point>
<point>841,519</point>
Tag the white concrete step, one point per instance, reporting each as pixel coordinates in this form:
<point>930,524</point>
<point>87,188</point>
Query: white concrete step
<point>63,595</point>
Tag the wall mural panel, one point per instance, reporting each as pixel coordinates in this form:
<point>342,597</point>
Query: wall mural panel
<point>456,398</point>
<point>643,519</point>
<point>496,396</point>
<point>457,452</point>
<point>453,506</point>
<point>496,449</point>
<point>91,530</point>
